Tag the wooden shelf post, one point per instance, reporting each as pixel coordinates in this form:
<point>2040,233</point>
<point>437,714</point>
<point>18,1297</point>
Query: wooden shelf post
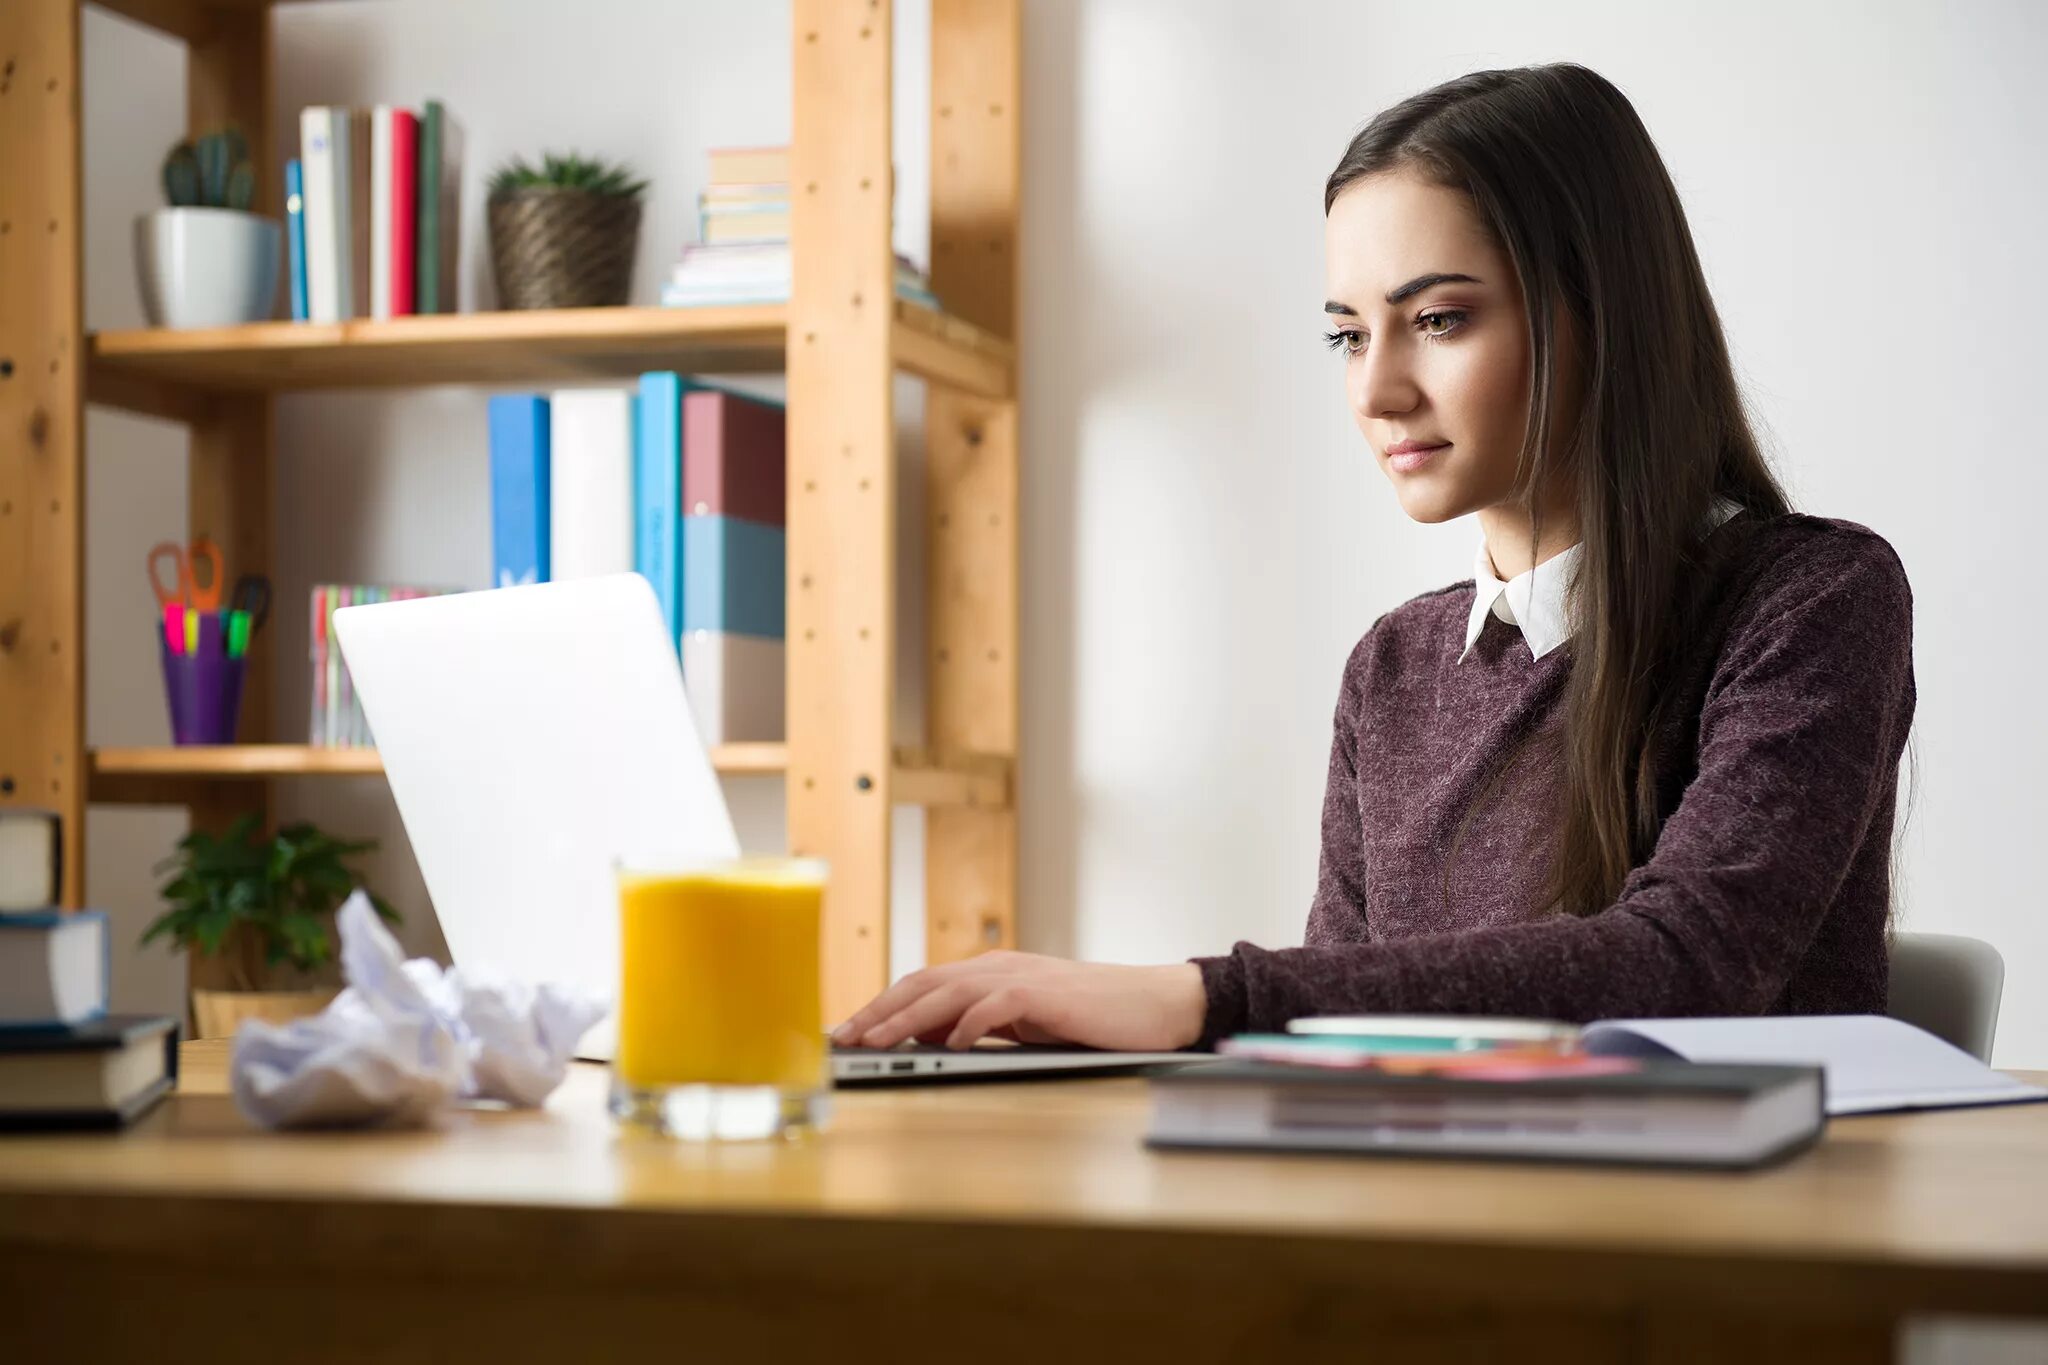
<point>841,618</point>
<point>42,412</point>
<point>229,70</point>
<point>971,472</point>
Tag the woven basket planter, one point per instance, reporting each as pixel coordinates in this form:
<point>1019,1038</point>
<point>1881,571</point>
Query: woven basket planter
<point>563,248</point>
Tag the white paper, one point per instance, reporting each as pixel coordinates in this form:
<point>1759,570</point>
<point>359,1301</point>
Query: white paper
<point>406,1040</point>
<point>1872,1062</point>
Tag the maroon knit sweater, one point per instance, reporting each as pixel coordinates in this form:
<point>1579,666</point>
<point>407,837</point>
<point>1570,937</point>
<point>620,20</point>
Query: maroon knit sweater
<point>1767,889</point>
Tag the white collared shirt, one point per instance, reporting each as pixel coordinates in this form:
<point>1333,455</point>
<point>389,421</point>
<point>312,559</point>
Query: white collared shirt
<point>1534,598</point>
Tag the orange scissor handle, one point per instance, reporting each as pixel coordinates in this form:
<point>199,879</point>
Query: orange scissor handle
<point>185,565</point>
<point>205,588</point>
<point>166,555</point>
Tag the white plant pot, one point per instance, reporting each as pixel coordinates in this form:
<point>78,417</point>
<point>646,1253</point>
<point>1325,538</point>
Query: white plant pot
<point>207,267</point>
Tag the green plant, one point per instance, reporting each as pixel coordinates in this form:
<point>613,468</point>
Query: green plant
<point>571,172</point>
<point>213,171</point>
<point>283,889</point>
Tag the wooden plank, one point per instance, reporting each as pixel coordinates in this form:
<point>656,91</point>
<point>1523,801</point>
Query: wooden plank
<point>42,490</point>
<point>228,74</point>
<point>842,482</point>
<point>945,350</point>
<point>974,781</point>
<point>971,472</point>
<point>519,346</point>
<point>193,21</point>
<point>166,774</point>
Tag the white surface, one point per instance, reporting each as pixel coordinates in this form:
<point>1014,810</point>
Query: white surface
<point>323,196</point>
<point>534,736</point>
<point>590,495</point>
<point>1204,535</point>
<point>1873,1063</point>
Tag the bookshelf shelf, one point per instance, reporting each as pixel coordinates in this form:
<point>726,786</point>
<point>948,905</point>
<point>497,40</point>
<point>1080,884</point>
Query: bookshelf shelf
<point>170,373</point>
<point>164,774</point>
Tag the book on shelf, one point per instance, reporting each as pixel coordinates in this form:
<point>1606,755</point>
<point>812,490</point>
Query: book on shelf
<point>439,197</point>
<point>103,1073</point>
<point>377,205</point>
<point>324,150</point>
<point>590,500</point>
<point>520,480</point>
<point>295,235</point>
<point>31,858</point>
<point>658,490</point>
<point>680,481</point>
<point>335,715</point>
<point>55,967</point>
<point>394,171</point>
<point>361,159</point>
<point>743,229</point>
<point>749,165</point>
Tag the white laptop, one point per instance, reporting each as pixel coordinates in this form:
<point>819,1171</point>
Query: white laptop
<point>532,736</point>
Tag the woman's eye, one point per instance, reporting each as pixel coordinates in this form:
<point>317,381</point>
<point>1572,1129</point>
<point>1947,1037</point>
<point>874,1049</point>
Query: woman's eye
<point>1434,326</point>
<point>1457,321</point>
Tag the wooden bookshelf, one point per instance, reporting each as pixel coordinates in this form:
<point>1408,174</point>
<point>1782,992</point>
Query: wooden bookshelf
<point>172,373</point>
<point>843,770</point>
<point>164,774</point>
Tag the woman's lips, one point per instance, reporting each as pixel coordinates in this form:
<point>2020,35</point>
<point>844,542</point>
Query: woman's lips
<point>1409,461</point>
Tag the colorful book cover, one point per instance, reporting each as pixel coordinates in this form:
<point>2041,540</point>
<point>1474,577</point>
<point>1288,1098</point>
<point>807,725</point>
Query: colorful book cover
<point>437,195</point>
<point>734,457</point>
<point>733,576</point>
<point>657,491</point>
<point>520,473</point>
<point>295,233</point>
<point>395,188</point>
<point>358,222</point>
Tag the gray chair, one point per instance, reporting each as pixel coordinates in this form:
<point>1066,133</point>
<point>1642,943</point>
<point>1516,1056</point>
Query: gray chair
<point>1948,985</point>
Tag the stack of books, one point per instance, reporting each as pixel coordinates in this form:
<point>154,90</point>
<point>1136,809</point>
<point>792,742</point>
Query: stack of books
<point>742,253</point>
<point>680,482</point>
<point>64,1061</point>
<point>336,719</point>
<point>372,212</point>
<point>1733,1093</point>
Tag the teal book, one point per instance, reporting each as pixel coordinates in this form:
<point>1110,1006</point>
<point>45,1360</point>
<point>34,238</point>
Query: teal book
<point>733,576</point>
<point>658,492</point>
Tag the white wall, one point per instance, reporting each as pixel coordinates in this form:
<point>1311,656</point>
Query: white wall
<point>1205,536</point>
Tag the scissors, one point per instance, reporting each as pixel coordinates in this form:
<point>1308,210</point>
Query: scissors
<point>185,562</point>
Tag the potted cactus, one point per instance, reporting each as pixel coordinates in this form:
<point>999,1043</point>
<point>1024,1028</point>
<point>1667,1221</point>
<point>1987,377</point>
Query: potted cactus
<point>207,260</point>
<point>563,233</point>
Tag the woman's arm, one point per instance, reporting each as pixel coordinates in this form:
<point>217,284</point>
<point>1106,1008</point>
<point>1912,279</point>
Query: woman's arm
<point>1800,736</point>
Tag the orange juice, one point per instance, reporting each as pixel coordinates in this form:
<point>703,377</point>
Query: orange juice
<point>719,979</point>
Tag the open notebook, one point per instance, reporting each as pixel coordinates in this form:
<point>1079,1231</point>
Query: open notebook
<point>1873,1063</point>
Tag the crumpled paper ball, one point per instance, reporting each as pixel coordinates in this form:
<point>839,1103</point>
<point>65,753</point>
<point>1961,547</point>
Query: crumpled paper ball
<point>407,1040</point>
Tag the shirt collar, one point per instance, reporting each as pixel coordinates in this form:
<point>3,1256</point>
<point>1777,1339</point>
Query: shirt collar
<point>1535,598</point>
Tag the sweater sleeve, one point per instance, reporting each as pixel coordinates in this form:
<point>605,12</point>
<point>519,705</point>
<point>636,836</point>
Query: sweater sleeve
<point>1800,734</point>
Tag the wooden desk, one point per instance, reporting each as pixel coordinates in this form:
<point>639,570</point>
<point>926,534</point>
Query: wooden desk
<point>1020,1222</point>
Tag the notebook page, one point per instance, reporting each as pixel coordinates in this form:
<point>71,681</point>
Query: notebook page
<point>1873,1063</point>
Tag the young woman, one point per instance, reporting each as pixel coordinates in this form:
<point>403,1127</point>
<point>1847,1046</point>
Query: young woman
<point>1645,761</point>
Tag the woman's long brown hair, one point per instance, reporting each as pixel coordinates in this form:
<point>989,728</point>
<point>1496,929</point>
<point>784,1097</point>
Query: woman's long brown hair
<point>1561,172</point>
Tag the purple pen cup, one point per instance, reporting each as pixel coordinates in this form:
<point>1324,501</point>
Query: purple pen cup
<point>205,695</point>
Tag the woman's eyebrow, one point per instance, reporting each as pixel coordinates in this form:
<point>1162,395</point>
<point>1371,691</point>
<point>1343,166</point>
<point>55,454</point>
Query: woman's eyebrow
<point>1414,286</point>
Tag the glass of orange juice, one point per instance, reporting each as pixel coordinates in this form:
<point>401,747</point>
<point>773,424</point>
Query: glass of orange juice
<point>720,1027</point>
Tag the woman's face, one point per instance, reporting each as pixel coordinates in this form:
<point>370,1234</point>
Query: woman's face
<point>1430,318</point>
